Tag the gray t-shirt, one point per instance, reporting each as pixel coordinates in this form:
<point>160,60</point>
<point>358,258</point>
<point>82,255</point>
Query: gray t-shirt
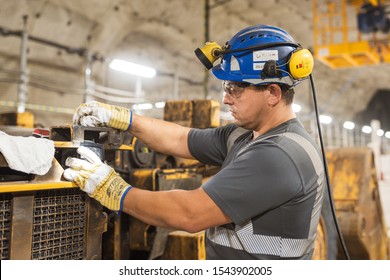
<point>271,188</point>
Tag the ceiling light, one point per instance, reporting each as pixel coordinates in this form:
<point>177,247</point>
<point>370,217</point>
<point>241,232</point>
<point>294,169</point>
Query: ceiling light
<point>132,68</point>
<point>380,132</point>
<point>325,119</point>
<point>349,125</point>
<point>387,134</point>
<point>143,106</point>
<point>160,104</point>
<point>366,129</point>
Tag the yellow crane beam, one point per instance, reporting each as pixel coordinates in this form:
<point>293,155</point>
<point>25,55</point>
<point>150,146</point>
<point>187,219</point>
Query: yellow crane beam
<point>338,43</point>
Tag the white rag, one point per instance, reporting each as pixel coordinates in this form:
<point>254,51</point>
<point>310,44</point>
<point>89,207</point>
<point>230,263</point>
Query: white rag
<point>27,154</point>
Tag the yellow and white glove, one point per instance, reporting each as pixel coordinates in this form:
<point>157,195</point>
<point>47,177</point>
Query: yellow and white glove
<point>100,114</point>
<point>97,179</point>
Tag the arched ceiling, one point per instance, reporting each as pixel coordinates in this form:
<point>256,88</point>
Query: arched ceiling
<point>162,34</point>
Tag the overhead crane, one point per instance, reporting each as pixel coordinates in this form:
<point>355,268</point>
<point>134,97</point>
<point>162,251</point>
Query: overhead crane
<point>339,38</point>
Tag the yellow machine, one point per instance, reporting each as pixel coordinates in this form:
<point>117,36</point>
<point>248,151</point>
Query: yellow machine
<point>45,217</point>
<point>357,202</point>
<point>25,119</point>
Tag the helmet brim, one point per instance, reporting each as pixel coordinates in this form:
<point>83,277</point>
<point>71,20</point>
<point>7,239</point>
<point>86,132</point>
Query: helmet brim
<point>220,74</point>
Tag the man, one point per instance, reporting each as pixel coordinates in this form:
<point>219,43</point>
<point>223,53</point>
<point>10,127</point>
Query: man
<point>265,202</point>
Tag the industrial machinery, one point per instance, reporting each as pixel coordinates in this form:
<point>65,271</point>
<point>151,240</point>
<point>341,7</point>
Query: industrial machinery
<point>358,203</point>
<point>45,217</point>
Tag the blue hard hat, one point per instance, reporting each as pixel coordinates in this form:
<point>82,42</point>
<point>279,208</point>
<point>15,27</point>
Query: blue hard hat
<point>247,65</point>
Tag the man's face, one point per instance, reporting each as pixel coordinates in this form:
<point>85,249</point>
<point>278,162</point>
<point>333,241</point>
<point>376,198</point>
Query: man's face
<point>248,105</point>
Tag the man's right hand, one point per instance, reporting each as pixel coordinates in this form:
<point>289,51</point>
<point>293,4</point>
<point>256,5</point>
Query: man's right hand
<point>100,114</point>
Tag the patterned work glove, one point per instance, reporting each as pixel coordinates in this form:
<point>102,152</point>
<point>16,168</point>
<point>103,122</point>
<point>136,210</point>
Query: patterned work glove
<point>97,179</point>
<point>100,114</point>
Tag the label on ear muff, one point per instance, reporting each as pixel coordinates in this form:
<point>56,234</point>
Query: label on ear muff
<point>301,64</point>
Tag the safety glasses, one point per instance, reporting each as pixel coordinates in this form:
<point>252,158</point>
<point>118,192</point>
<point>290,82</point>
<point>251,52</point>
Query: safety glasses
<point>234,89</point>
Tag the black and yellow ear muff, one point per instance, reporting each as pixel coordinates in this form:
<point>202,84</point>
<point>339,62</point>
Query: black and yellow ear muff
<point>300,64</point>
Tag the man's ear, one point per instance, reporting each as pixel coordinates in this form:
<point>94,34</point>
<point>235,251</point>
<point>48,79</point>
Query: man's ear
<point>275,94</point>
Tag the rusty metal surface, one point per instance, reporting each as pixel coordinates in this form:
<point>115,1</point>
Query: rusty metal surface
<point>141,235</point>
<point>357,202</point>
<point>96,225</point>
<point>70,136</point>
<point>201,113</point>
<point>25,119</point>
<point>3,162</point>
<point>172,179</point>
<point>185,246</point>
<point>179,111</point>
<point>206,113</point>
<point>320,248</point>
<point>164,161</point>
<point>22,227</point>
<point>184,179</point>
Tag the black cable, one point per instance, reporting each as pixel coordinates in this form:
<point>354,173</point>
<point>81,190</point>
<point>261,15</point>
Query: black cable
<point>259,47</point>
<point>326,170</point>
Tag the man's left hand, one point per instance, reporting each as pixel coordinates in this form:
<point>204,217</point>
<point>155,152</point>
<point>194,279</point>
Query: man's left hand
<point>97,179</point>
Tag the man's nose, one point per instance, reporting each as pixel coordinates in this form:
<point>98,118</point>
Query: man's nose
<point>227,99</point>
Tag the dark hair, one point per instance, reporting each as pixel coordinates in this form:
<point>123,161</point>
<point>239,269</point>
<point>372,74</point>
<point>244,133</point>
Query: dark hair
<point>287,92</point>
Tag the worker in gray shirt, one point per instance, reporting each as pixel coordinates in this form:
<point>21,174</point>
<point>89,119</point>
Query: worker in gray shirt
<point>265,202</point>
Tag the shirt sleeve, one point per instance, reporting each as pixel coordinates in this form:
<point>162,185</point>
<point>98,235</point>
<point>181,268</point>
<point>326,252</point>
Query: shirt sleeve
<point>209,145</point>
<point>262,178</point>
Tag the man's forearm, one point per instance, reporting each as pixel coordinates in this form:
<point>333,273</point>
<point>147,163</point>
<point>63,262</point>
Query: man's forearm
<point>162,136</point>
<point>168,209</point>
<point>191,211</point>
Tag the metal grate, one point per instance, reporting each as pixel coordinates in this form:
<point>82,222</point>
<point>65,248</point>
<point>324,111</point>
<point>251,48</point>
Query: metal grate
<point>59,225</point>
<point>5,226</point>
